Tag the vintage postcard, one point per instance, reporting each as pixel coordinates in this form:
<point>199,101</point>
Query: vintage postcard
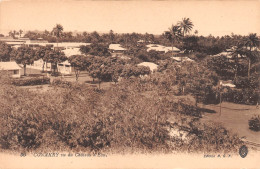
<point>129,84</point>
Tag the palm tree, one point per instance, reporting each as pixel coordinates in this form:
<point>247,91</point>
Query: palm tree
<point>235,53</point>
<point>10,33</point>
<point>173,34</point>
<point>57,31</point>
<point>186,25</point>
<point>20,32</point>
<point>251,41</point>
<point>14,32</point>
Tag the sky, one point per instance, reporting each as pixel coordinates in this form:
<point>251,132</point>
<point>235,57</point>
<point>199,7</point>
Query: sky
<point>217,18</point>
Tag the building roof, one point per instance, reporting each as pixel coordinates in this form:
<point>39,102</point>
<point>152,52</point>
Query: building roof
<point>161,48</point>
<point>179,59</point>
<point>72,51</point>
<point>227,55</point>
<point>15,43</point>
<point>10,39</point>
<point>71,44</point>
<point>151,65</point>
<point>63,44</point>
<point>9,66</point>
<point>116,47</point>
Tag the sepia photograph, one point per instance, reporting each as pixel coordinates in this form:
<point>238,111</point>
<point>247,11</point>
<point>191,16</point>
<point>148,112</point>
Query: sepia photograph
<point>129,84</point>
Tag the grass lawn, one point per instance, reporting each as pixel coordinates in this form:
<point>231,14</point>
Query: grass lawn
<point>234,117</point>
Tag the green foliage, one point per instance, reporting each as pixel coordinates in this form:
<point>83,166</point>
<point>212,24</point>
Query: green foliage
<point>79,63</point>
<point>5,51</point>
<point>125,118</point>
<point>222,66</point>
<point>221,141</point>
<point>254,123</point>
<point>31,81</point>
<point>249,83</point>
<point>61,83</point>
<point>241,96</point>
<point>190,43</point>
<point>57,30</point>
<point>186,25</point>
<point>133,70</point>
<point>55,56</point>
<point>96,49</point>
<point>24,55</point>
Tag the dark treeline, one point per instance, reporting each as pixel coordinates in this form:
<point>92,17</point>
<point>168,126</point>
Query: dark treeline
<point>203,44</point>
<point>207,44</point>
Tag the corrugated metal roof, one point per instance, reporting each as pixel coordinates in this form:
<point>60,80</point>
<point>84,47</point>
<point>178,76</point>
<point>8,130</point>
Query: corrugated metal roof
<point>161,48</point>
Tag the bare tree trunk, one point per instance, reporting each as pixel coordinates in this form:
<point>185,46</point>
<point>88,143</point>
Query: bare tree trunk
<point>249,67</point>
<point>172,48</point>
<point>235,78</point>
<point>43,66</point>
<point>24,69</point>
<point>99,82</point>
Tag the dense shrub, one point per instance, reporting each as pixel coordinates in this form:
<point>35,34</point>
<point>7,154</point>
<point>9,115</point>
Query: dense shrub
<point>245,82</point>
<point>61,83</point>
<point>124,118</point>
<point>31,81</point>
<point>221,141</point>
<point>242,96</point>
<point>254,123</point>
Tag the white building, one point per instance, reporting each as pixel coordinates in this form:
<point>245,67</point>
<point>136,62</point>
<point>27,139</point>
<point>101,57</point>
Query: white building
<point>38,64</point>
<point>161,48</point>
<point>12,67</point>
<point>65,67</point>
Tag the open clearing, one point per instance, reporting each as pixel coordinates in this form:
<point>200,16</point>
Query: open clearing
<point>234,117</point>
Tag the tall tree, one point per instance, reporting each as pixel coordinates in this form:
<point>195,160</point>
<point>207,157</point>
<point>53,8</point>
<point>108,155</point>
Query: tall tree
<point>42,53</point>
<point>20,32</point>
<point>186,25</point>
<point>57,31</point>
<point>24,56</point>
<point>11,34</point>
<point>235,55</point>
<point>95,37</point>
<point>5,51</point>
<point>14,33</point>
<point>251,42</point>
<point>111,36</point>
<point>174,34</point>
<point>79,63</point>
<point>54,57</point>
